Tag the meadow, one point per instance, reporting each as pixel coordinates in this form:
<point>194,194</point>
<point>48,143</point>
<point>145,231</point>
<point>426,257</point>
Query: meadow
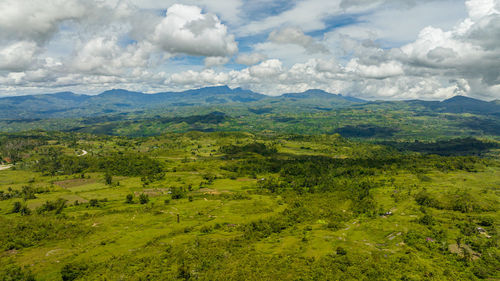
<point>239,206</point>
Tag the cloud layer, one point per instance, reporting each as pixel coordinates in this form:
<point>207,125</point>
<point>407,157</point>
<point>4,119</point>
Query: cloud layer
<point>383,49</point>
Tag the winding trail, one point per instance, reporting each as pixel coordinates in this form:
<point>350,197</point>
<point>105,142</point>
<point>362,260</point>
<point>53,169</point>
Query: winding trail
<point>84,152</point>
<point>5,167</point>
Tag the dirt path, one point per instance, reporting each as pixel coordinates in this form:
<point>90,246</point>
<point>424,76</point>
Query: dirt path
<point>84,152</point>
<point>5,167</point>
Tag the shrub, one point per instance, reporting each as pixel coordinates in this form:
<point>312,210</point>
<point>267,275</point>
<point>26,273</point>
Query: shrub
<point>206,229</point>
<point>423,198</point>
<point>15,272</point>
<point>143,198</point>
<point>73,271</point>
<point>129,199</point>
<point>21,209</point>
<point>94,203</point>
<point>17,207</point>
<point>177,193</point>
<point>108,178</point>
<point>57,206</point>
<point>427,220</point>
<point>341,251</point>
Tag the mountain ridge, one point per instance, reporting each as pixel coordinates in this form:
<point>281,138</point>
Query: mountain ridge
<point>71,105</point>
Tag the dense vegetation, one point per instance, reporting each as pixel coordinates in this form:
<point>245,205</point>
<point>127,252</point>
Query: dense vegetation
<point>124,113</point>
<point>216,206</point>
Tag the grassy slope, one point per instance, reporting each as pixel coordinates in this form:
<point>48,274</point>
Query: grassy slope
<point>123,240</point>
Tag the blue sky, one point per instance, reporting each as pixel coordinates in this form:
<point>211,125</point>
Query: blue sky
<point>373,49</point>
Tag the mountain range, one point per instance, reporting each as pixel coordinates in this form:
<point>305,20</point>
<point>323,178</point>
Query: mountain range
<point>71,105</point>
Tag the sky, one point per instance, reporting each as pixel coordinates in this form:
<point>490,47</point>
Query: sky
<point>371,49</point>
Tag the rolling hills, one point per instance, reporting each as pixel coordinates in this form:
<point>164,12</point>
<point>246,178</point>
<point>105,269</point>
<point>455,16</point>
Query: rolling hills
<point>122,112</point>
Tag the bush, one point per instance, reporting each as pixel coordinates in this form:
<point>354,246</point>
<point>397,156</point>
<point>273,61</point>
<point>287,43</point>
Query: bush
<point>206,229</point>
<point>15,272</point>
<point>143,198</point>
<point>129,199</point>
<point>423,198</point>
<point>57,206</point>
<point>341,251</point>
<point>334,225</point>
<point>177,193</point>
<point>17,207</point>
<point>108,178</point>
<point>73,271</point>
<point>94,203</point>
<point>427,220</point>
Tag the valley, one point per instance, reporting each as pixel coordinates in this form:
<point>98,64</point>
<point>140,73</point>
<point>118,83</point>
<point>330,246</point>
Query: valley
<point>210,205</point>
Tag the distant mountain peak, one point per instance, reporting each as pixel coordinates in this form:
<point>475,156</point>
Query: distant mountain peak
<point>319,91</point>
<point>118,91</point>
<point>460,98</point>
<point>222,87</point>
<point>320,94</point>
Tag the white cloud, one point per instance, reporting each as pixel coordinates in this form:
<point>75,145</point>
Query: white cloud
<point>309,15</point>
<point>460,52</point>
<point>250,59</point>
<point>37,20</point>
<point>381,71</point>
<point>296,36</point>
<point>185,29</point>
<point>391,49</point>
<point>215,61</point>
<point>479,9</point>
<point>395,25</point>
<point>17,56</point>
<point>105,57</point>
<point>266,69</point>
<point>195,78</point>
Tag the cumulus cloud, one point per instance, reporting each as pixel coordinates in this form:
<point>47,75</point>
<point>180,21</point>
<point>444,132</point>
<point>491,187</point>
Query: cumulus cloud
<point>401,21</point>
<point>296,36</point>
<point>392,49</point>
<point>38,20</point>
<point>17,56</point>
<point>461,52</point>
<point>310,15</point>
<point>190,77</point>
<point>250,59</point>
<point>215,61</point>
<point>185,29</point>
<point>381,71</point>
<point>266,69</point>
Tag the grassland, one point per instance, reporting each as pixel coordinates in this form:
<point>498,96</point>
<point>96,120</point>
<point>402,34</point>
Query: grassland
<point>237,206</point>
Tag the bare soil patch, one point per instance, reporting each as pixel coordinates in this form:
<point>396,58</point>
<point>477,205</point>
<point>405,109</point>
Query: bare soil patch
<point>5,167</point>
<point>153,192</point>
<point>245,179</point>
<point>74,182</point>
<point>212,191</point>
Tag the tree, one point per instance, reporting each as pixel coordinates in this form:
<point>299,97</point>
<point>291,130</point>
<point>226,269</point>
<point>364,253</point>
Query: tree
<point>341,251</point>
<point>129,199</point>
<point>73,271</point>
<point>17,207</point>
<point>93,203</point>
<point>177,193</point>
<point>21,209</point>
<point>143,198</point>
<point>15,272</point>
<point>108,178</point>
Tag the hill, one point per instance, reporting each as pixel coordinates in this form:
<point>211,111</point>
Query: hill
<point>461,104</point>
<point>219,206</point>
<point>68,104</point>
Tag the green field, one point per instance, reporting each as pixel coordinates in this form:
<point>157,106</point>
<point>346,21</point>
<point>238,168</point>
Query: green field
<point>237,206</point>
